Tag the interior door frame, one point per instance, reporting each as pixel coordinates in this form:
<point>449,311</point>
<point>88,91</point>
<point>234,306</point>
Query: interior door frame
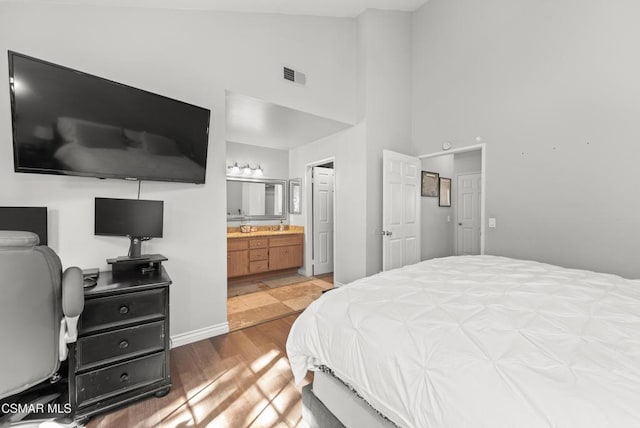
<point>483,193</point>
<point>308,206</point>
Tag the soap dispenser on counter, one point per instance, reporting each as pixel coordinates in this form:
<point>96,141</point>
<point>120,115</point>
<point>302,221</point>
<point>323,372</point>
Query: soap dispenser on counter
<point>281,227</point>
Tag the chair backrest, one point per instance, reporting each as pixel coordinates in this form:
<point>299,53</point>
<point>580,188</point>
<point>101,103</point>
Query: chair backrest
<point>30,311</point>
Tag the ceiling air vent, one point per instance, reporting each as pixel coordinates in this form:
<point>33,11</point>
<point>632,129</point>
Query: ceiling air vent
<point>294,76</point>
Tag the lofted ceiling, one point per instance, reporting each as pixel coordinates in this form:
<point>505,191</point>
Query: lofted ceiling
<point>251,120</point>
<point>261,123</point>
<point>338,8</point>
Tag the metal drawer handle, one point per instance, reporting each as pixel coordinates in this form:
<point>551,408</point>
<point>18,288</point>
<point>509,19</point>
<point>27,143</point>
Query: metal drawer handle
<point>124,377</point>
<point>124,344</point>
<point>124,310</point>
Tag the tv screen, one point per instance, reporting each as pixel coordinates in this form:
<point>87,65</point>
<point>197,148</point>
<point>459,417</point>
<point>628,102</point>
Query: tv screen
<point>129,217</point>
<point>69,122</point>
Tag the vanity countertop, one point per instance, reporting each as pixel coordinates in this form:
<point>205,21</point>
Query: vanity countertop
<point>291,230</point>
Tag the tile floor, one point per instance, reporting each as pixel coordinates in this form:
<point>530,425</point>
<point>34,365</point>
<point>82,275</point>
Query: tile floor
<point>254,308</point>
<point>240,286</point>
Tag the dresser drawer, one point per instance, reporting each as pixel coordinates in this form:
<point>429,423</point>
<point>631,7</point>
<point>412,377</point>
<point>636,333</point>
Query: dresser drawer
<point>259,254</point>
<point>114,346</point>
<point>259,266</point>
<point>100,384</point>
<point>258,243</point>
<point>281,241</point>
<point>122,310</point>
<point>237,244</point>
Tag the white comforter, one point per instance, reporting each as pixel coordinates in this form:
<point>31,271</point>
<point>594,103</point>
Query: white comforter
<point>481,341</point>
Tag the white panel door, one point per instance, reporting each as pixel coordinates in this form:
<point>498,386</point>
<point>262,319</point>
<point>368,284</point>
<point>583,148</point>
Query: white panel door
<point>322,220</point>
<point>468,212</point>
<point>400,210</point>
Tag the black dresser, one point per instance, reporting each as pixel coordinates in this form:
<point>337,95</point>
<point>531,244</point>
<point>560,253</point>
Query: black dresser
<point>122,352</point>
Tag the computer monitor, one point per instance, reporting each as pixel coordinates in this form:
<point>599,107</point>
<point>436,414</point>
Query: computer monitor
<point>139,220</point>
<point>27,219</point>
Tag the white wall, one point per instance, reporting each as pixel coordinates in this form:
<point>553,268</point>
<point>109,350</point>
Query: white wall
<point>437,226</point>
<point>553,89</point>
<point>467,162</point>
<point>347,148</point>
<point>274,162</point>
<point>384,96</point>
<point>192,56</point>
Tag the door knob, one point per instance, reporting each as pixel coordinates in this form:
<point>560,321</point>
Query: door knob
<point>386,233</point>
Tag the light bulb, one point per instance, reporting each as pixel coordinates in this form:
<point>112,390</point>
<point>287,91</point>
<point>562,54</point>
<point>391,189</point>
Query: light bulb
<point>259,171</point>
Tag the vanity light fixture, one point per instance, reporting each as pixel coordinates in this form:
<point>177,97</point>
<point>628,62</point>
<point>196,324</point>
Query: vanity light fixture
<point>233,169</point>
<point>245,170</point>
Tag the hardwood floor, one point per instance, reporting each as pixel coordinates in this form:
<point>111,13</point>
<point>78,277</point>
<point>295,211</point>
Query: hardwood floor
<point>241,379</point>
<point>254,308</point>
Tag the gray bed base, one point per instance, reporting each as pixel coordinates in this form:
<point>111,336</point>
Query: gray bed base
<point>316,414</point>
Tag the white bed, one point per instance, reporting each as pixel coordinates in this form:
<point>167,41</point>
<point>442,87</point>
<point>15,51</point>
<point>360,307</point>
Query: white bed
<point>481,341</point>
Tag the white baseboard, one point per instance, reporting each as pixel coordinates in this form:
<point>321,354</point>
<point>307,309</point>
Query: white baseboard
<point>337,284</point>
<point>199,334</point>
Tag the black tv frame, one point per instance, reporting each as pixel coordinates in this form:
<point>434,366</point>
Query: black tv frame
<point>18,168</point>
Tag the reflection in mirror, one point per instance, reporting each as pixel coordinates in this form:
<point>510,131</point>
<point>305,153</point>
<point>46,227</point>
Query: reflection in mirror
<point>254,199</point>
<point>295,196</point>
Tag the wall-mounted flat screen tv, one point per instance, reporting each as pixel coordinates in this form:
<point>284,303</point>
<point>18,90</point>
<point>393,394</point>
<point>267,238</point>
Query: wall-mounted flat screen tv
<point>69,122</point>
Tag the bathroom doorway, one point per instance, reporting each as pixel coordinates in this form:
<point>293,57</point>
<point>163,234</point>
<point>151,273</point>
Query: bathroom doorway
<point>322,218</point>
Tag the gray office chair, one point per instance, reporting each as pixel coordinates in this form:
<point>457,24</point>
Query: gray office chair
<point>39,311</point>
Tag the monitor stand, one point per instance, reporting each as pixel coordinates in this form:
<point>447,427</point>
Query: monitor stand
<point>147,264</point>
<point>135,248</point>
<point>127,258</point>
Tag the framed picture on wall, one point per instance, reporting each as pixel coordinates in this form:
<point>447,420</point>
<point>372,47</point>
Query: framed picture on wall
<point>429,184</point>
<point>444,199</point>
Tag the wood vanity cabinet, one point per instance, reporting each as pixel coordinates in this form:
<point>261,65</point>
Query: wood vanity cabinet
<point>248,256</point>
<point>237,257</point>
<point>258,255</point>
<point>285,252</point>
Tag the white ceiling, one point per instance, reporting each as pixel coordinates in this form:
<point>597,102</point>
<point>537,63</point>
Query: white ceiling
<point>260,123</point>
<point>341,8</point>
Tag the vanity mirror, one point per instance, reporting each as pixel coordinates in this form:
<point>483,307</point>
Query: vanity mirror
<point>295,196</point>
<point>256,199</point>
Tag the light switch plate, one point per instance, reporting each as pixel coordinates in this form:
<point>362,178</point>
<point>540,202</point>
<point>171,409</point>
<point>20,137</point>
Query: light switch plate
<point>492,222</point>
